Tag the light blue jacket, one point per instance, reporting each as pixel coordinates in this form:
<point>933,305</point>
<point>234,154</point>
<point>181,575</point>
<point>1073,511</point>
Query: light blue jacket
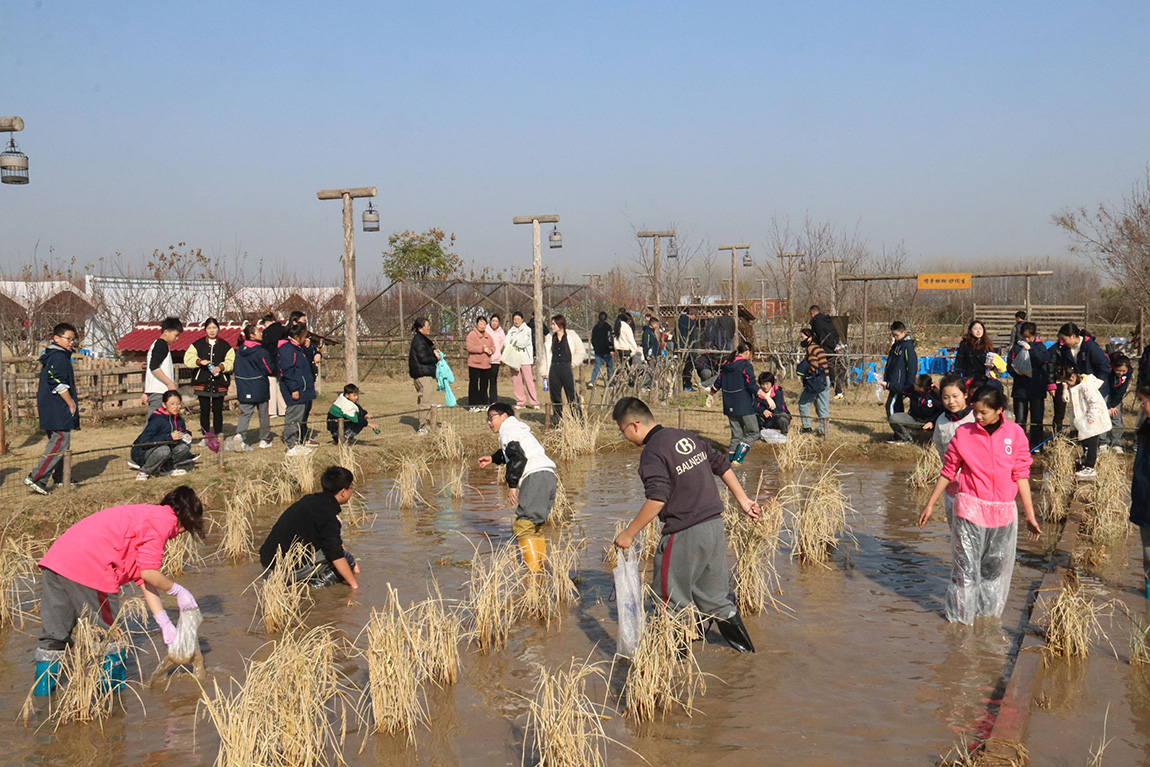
<point>443,380</point>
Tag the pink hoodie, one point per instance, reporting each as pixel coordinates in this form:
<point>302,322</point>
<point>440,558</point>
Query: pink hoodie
<point>991,464</point>
<point>105,550</point>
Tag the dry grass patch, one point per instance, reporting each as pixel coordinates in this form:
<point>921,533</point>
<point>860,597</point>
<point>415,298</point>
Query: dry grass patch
<point>292,709</point>
<point>438,629</point>
<point>236,534</point>
<point>927,468</point>
<point>544,595</point>
<point>820,524</point>
<point>1140,643</point>
<point>447,444</point>
<point>563,510</point>
<point>18,574</point>
<point>1071,621</point>
<point>180,554</point>
<point>1059,456</point>
<point>280,597</point>
<point>755,543</point>
<point>664,673</point>
<point>301,471</point>
<point>1105,520</point>
<point>798,451</point>
<point>409,480</point>
<point>563,725</point>
<point>574,436</point>
<point>394,669</point>
<point>995,752</point>
<point>492,598</point>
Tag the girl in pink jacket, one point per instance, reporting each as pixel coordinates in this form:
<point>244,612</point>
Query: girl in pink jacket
<point>86,566</point>
<point>991,460</point>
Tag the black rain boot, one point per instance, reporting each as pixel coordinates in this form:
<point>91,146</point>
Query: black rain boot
<point>735,633</point>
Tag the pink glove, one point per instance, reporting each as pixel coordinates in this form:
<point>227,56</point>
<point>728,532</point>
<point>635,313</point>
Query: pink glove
<point>183,597</point>
<point>165,624</point>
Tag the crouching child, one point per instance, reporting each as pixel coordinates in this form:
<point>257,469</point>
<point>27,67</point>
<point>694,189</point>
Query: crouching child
<point>314,522</point>
<point>770,406</point>
<point>165,443</point>
<point>678,470</point>
<point>346,408</point>
<point>925,408</point>
<point>530,477</point>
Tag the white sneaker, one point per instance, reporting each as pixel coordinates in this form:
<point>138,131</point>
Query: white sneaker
<point>840,396</point>
<point>141,476</point>
<point>298,450</point>
<point>1117,449</point>
<point>177,472</point>
<point>1086,473</point>
<point>264,444</point>
<point>422,432</point>
<point>190,459</point>
<point>1104,448</point>
<point>133,465</point>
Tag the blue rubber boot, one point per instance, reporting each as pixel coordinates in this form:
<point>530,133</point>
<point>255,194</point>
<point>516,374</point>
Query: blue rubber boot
<point>47,671</point>
<point>741,453</point>
<point>114,672</point>
<point>1148,588</point>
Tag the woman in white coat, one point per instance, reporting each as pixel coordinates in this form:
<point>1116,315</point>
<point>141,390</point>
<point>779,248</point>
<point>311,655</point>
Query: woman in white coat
<point>625,347</point>
<point>519,356</point>
<point>563,351</point>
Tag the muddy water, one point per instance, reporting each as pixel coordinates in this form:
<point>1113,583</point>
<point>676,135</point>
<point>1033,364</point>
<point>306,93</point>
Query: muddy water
<point>869,672</point>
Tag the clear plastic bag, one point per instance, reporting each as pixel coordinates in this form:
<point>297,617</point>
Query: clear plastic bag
<point>629,601</point>
<point>183,650</point>
<point>983,565</point>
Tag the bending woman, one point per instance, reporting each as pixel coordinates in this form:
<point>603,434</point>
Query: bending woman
<point>86,566</point>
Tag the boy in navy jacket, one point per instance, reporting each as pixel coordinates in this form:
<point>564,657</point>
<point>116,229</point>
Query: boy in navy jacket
<point>165,442</point>
<point>1029,389</point>
<point>901,367</point>
<point>57,405</point>
<point>297,384</point>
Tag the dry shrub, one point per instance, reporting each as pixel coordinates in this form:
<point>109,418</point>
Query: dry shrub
<point>1059,454</point>
<point>285,712</point>
<point>280,597</point>
<point>394,669</point>
<point>1071,621</point>
<point>180,554</point>
<point>492,600</point>
<point>408,480</point>
<point>927,468</point>
<point>821,521</point>
<point>544,594</point>
<point>664,673</point>
<point>447,444</point>
<point>438,629</point>
<point>18,572</point>
<point>755,543</point>
<point>798,451</point>
<point>574,436</point>
<point>1106,519</point>
<point>85,694</point>
<point>563,724</point>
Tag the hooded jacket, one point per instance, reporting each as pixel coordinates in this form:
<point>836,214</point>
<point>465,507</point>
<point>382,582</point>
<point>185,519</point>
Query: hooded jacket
<point>521,451</point>
<point>737,381</point>
<point>158,430</point>
<point>252,369</point>
<point>601,339</point>
<point>901,366</point>
<point>421,359</point>
<point>925,406</point>
<point>56,377</point>
<point>295,373</point>
<point>1089,359</point>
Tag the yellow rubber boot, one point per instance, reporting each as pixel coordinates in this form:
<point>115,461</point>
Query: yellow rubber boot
<point>532,545</point>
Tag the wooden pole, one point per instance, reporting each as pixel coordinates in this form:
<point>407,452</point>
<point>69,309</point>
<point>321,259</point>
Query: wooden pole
<point>537,289</point>
<point>350,309</point>
<point>734,290</point>
<point>1027,278</point>
<point>3,439</point>
<point>655,276</point>
<point>402,319</point>
<point>866,317</point>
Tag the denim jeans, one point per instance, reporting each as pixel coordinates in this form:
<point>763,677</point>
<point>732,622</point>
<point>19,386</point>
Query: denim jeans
<point>600,361</point>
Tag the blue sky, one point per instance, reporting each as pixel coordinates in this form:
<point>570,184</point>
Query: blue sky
<point>954,128</point>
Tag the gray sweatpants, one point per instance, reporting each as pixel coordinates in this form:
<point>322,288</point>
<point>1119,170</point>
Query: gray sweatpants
<point>536,496</point>
<point>63,602</point>
<point>294,427</point>
<point>163,458</point>
<point>1114,436</point>
<point>58,442</point>
<point>907,429</point>
<point>246,410</point>
<point>155,402</point>
<point>744,430</point>
<point>691,566</point>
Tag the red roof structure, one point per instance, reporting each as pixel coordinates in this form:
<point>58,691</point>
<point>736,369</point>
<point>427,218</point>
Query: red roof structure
<point>141,337</point>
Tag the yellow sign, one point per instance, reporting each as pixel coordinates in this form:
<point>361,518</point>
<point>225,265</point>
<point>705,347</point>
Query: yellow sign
<point>944,282</point>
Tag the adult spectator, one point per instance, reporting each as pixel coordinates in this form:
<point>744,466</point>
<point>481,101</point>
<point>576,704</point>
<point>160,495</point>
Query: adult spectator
<point>603,348</point>
<point>212,358</point>
<point>563,351</point>
<point>519,356</point>
<point>273,333</point>
<point>827,336</point>
<point>687,339</point>
<point>480,347</point>
<point>160,369</point>
<point>422,359</point>
<point>971,355</point>
<point>57,405</point>
<point>498,336</point>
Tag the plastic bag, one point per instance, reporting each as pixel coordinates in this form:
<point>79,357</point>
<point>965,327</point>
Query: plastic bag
<point>879,392</point>
<point>1021,363</point>
<point>983,566</point>
<point>629,601</point>
<point>183,650</point>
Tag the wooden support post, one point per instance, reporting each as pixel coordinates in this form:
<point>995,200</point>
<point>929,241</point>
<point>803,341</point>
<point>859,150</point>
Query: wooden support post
<point>350,303</point>
<point>434,417</point>
<point>3,439</point>
<point>682,419</point>
<point>402,319</point>
<point>220,457</point>
<point>546,415</point>
<point>339,431</point>
<point>67,471</point>
<point>866,318</point>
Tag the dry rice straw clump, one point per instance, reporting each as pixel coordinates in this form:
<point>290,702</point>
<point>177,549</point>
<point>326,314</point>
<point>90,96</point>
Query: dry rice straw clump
<point>995,752</point>
<point>755,543</point>
<point>84,694</point>
<point>280,596</point>
<point>1140,643</point>
<point>1071,621</point>
<point>447,444</point>
<point>300,469</point>
<point>647,541</point>
<point>664,673</point>
<point>180,554</point>
<point>292,709</point>
<point>18,574</point>
<point>394,669</point>
<point>1059,455</point>
<point>408,481</point>
<point>236,539</point>
<point>574,436</point>
<point>927,469</point>
<point>438,628</point>
<point>1106,520</point>
<point>798,451</point>
<point>563,725</point>
<point>492,601</point>
<point>820,524</point>
<point>562,510</point>
<point>544,595</point>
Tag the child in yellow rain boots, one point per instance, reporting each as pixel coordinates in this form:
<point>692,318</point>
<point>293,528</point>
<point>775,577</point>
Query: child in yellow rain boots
<point>531,477</point>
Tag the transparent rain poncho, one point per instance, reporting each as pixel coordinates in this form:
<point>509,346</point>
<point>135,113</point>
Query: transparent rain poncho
<point>983,539</point>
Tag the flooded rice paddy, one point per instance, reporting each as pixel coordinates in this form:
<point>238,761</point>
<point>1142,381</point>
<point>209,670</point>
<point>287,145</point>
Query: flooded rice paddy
<point>867,672</point>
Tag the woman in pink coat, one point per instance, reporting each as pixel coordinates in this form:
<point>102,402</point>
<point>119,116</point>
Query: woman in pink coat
<point>86,566</point>
<point>991,459</point>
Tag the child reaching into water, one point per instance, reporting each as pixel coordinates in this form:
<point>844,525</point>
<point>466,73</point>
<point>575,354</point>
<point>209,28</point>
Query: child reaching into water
<point>990,460</point>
